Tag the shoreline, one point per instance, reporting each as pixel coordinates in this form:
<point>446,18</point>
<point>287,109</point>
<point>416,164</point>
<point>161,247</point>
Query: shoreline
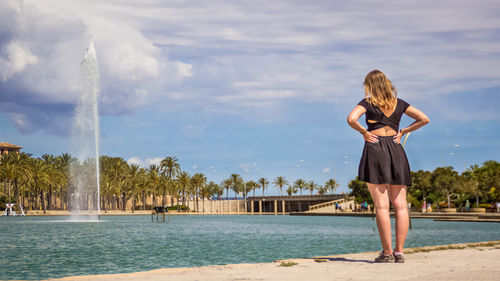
<point>465,261</point>
<point>436,216</point>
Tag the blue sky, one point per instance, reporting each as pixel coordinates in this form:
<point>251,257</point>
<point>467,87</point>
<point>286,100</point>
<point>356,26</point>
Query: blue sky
<point>259,88</point>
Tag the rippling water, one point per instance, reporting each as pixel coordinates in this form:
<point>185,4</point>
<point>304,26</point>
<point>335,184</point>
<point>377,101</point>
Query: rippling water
<point>33,248</point>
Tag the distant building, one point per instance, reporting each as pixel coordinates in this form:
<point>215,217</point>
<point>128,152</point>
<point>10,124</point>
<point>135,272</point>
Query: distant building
<point>6,148</point>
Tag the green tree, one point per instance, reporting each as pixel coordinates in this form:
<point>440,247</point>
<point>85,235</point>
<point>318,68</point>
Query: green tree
<point>292,189</point>
<point>422,184</point>
<point>300,184</point>
<point>237,184</point>
<point>311,186</point>
<point>331,185</point>
<point>263,184</point>
<point>445,179</point>
<point>280,182</point>
<point>198,181</point>
<point>251,186</point>
<point>184,181</point>
<point>359,189</point>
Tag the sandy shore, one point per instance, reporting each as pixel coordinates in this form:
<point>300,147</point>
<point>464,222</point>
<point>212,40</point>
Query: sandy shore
<point>476,261</point>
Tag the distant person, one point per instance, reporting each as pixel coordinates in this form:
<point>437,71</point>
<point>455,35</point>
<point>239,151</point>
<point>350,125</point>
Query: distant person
<point>498,207</point>
<point>424,207</point>
<point>429,208</point>
<point>384,166</point>
<point>467,205</point>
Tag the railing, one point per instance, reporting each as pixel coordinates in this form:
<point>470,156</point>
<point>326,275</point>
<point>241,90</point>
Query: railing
<point>298,197</point>
<point>331,203</point>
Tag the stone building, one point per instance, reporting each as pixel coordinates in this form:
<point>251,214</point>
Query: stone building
<point>6,148</point>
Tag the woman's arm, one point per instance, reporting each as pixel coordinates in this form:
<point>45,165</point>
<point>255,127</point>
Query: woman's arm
<point>353,118</point>
<point>420,119</point>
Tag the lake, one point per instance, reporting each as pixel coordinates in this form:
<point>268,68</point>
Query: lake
<point>34,248</point>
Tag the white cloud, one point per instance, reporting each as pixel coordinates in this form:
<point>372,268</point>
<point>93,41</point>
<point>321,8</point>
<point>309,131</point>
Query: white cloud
<point>246,58</point>
<point>153,161</point>
<point>144,163</point>
<point>17,58</point>
<point>135,161</point>
<point>326,170</point>
<point>41,45</point>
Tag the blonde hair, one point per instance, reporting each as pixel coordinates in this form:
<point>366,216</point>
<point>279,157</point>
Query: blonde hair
<point>379,91</point>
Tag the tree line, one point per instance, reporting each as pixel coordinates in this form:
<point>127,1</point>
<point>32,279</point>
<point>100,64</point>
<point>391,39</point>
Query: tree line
<point>49,183</point>
<point>446,188</point>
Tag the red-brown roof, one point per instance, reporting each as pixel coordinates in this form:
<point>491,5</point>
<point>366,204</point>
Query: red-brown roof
<point>9,145</point>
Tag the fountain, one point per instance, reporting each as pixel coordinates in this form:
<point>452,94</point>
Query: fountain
<point>84,173</point>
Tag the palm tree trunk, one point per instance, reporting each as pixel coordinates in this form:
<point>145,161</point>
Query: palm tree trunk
<point>124,200</point>
<point>143,200</point>
<point>8,188</point>
<point>49,198</point>
<point>184,197</point>
<point>43,202</point>
<point>16,192</point>
<point>37,195</point>
<point>196,196</point>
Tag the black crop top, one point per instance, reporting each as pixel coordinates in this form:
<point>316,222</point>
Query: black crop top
<point>374,113</point>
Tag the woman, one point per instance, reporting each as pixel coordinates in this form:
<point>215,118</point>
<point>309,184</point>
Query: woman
<point>384,166</point>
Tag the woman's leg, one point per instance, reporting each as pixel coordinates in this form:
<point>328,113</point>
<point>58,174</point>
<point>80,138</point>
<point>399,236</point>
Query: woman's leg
<point>379,193</point>
<point>397,194</point>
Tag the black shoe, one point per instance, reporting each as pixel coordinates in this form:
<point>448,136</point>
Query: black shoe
<point>399,258</point>
<point>384,258</point>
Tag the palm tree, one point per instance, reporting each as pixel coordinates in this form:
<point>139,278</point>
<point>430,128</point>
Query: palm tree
<point>332,185</point>
<point>311,186</point>
<point>300,184</point>
<point>183,179</point>
<point>55,179</point>
<point>226,184</point>
<point>170,168</point>
<point>236,184</point>
<point>134,177</point>
<point>292,189</point>
<point>198,181</point>
<point>8,175</point>
<point>154,180</point>
<point>119,169</point>
<point>263,183</point>
<point>251,186</point>
<point>280,182</point>
<point>322,190</point>
<point>207,191</point>
<point>38,176</point>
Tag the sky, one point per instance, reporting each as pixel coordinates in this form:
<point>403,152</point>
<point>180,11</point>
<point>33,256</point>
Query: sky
<point>258,88</point>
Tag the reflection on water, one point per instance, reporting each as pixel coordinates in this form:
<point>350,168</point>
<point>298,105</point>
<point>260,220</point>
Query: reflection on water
<point>52,247</point>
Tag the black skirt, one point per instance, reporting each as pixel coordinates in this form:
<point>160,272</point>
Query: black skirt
<point>384,162</point>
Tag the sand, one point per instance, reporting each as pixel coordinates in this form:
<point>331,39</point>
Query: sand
<point>479,261</point>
